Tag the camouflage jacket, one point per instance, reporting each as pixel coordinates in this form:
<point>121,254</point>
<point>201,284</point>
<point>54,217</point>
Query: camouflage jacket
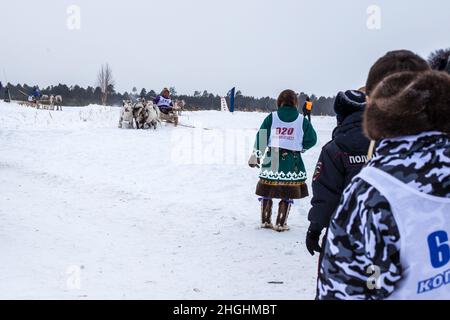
<point>363,232</point>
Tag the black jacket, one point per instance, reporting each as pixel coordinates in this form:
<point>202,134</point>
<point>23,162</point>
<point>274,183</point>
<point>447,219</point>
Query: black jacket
<point>341,160</point>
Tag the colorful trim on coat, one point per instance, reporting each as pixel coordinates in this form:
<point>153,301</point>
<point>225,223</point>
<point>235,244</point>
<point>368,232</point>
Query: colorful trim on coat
<point>285,177</point>
<point>282,183</point>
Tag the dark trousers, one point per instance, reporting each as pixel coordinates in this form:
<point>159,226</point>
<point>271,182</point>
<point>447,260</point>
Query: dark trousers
<point>307,114</point>
<point>166,110</point>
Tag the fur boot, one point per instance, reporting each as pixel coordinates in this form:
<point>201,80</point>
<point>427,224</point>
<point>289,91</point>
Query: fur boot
<point>266,213</point>
<point>283,214</point>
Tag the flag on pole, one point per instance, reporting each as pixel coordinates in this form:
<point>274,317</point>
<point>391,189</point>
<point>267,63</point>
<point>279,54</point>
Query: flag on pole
<point>232,94</point>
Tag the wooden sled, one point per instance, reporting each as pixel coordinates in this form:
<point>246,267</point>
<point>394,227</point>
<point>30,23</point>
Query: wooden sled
<point>172,117</point>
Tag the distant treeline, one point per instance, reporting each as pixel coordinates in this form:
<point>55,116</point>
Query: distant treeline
<point>79,96</point>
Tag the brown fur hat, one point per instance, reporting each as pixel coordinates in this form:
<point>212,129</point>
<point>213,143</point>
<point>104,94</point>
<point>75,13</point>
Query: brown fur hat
<point>409,103</point>
<point>394,62</point>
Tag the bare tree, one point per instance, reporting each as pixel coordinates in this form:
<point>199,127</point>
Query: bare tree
<point>105,81</point>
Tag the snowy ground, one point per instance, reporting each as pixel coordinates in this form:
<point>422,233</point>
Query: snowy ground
<point>89,211</point>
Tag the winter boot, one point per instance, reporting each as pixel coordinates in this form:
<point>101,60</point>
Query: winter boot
<point>266,213</point>
<point>283,214</point>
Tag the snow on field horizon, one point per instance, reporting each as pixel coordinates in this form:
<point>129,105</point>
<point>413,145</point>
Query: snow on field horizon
<point>90,211</point>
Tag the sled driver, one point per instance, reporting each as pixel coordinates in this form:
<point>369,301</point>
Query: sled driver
<point>35,95</point>
<point>164,102</point>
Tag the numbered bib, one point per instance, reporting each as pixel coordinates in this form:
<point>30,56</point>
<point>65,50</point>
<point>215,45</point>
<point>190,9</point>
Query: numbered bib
<point>163,102</point>
<point>424,224</point>
<point>286,135</point>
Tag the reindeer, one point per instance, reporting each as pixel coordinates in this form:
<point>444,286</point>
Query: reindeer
<point>178,106</point>
<point>57,101</point>
<point>49,102</point>
<point>139,114</point>
<point>43,102</point>
<point>146,113</point>
<point>153,115</point>
<point>126,115</point>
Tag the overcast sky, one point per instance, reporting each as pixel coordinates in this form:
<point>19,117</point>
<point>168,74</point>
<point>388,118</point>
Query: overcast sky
<point>259,46</point>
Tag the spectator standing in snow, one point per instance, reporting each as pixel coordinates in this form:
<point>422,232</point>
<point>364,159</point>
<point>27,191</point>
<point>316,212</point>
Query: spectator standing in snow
<point>341,160</point>
<point>334,171</point>
<point>36,94</point>
<point>7,95</point>
<point>393,217</point>
<point>307,108</point>
<point>283,136</point>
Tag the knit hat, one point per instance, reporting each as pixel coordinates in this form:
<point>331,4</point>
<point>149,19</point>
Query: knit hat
<point>409,103</point>
<point>349,102</point>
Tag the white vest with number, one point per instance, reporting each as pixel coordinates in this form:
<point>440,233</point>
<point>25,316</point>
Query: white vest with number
<point>163,102</point>
<point>424,224</point>
<point>286,135</point>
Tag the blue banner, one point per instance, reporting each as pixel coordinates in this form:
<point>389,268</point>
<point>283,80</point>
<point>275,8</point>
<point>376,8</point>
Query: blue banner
<point>232,94</point>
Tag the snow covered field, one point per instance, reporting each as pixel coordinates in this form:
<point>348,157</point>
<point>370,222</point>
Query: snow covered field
<point>90,211</point>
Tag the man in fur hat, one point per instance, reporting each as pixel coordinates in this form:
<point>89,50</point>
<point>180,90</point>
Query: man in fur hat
<point>345,156</point>
<point>388,239</point>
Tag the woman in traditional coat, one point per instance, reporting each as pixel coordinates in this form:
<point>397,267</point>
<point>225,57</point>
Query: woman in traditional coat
<point>280,142</point>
